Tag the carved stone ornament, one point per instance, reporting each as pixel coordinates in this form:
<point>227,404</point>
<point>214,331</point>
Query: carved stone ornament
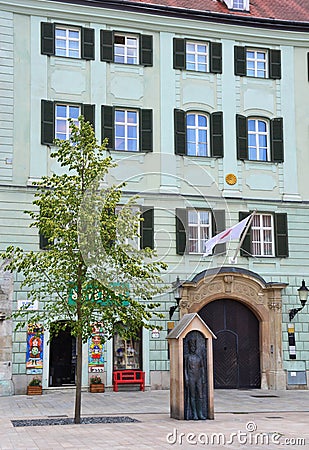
<point>275,305</point>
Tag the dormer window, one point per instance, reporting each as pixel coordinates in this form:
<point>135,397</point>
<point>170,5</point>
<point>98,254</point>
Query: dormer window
<point>239,5</point>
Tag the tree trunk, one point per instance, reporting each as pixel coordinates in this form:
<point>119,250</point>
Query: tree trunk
<point>78,392</point>
<point>79,346</point>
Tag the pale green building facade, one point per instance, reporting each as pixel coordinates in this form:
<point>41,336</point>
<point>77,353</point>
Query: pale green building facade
<point>207,117</point>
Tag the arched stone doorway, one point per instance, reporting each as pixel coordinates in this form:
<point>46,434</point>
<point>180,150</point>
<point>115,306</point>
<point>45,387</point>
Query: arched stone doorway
<point>236,350</point>
<point>262,298</point>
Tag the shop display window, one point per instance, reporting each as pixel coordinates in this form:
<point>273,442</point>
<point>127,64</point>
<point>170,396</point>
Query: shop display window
<point>127,353</point>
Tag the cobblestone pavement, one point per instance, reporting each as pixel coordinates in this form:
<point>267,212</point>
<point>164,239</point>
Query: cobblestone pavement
<point>243,419</point>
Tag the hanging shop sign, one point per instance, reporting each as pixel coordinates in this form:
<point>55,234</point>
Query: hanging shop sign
<point>102,296</point>
<point>34,356</point>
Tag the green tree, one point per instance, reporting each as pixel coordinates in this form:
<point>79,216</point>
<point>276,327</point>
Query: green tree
<point>91,257</point>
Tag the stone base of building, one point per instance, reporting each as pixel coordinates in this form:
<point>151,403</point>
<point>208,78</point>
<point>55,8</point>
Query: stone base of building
<point>160,379</point>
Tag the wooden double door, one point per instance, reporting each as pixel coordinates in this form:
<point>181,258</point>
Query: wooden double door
<point>236,349</point>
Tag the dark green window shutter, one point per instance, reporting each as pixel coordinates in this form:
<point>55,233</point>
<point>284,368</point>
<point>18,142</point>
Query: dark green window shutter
<point>107,119</point>
<point>47,38</point>
<point>180,132</point>
<point>275,64</point>
<point>179,59</point>
<point>218,225</point>
<point>146,130</point>
<point>181,227</point>
<point>215,59</point>
<point>281,235</point>
<point>87,43</point>
<point>241,137</point>
<point>240,61</point>
<point>245,249</point>
<point>276,139</point>
<point>146,52</point>
<point>47,122</point>
<point>216,132</point>
<point>107,46</point>
<point>88,113</point>
<point>147,227</point>
<point>44,242</point>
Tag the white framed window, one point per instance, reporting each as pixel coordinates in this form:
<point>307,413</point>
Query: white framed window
<point>199,225</point>
<point>258,140</point>
<point>67,41</point>
<point>263,235</point>
<point>238,4</point>
<point>197,56</point>
<point>126,49</point>
<point>62,114</point>
<point>197,134</point>
<point>126,130</point>
<point>242,5</point>
<point>257,63</point>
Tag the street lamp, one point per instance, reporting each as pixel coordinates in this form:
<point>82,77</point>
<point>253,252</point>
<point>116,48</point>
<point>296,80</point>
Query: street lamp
<point>303,292</point>
<point>177,296</point>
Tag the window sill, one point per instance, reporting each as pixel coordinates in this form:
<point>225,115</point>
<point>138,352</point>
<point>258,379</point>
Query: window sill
<point>200,156</point>
<point>257,81</point>
<point>131,152</point>
<point>192,74</point>
<point>264,256</point>
<point>259,165</point>
<point>127,68</point>
<point>67,61</point>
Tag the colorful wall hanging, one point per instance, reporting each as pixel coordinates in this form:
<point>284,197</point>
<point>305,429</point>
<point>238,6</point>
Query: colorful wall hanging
<point>34,357</point>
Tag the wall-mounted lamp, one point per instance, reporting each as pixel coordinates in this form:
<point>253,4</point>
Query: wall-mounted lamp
<point>177,296</point>
<point>303,292</point>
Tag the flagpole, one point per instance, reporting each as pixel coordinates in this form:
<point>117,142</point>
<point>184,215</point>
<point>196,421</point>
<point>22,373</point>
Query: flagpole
<point>233,260</point>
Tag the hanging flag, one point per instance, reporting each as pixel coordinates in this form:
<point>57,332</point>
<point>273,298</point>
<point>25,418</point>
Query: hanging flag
<point>227,235</point>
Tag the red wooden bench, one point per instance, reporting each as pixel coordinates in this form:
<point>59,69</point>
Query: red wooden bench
<point>129,377</point>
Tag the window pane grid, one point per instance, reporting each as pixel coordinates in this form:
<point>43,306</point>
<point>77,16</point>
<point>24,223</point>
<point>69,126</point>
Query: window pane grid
<point>258,147</point>
<point>63,113</point>
<point>262,235</point>
<point>197,56</point>
<point>238,4</point>
<point>67,42</point>
<point>199,230</point>
<point>126,50</point>
<point>256,63</point>
<point>197,135</point>
<point>126,130</point>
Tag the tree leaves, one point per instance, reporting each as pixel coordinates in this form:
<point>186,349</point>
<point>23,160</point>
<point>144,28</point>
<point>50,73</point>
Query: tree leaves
<point>90,245</point>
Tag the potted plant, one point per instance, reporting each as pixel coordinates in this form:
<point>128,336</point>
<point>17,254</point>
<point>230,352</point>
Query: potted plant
<point>96,384</point>
<point>34,387</point>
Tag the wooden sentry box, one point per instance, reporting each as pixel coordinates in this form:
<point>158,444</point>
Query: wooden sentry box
<point>189,322</point>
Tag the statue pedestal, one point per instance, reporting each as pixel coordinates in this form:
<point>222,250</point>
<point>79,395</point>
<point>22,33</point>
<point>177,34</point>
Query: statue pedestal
<point>191,369</point>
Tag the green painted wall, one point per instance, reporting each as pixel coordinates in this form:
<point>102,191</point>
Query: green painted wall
<point>162,179</point>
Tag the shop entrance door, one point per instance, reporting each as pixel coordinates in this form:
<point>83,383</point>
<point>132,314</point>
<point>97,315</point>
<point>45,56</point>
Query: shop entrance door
<point>62,360</point>
<point>236,349</point>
